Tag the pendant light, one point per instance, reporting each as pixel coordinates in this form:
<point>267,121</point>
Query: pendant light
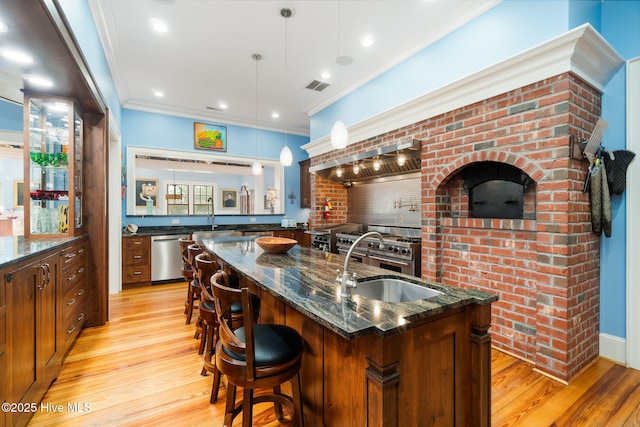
<point>286,157</point>
<point>339,134</point>
<point>256,166</point>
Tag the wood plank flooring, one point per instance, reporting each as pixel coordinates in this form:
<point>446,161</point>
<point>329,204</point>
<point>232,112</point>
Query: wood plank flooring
<point>142,369</point>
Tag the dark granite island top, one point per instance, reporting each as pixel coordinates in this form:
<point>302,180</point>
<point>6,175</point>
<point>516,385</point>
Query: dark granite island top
<point>305,278</point>
<point>368,362</point>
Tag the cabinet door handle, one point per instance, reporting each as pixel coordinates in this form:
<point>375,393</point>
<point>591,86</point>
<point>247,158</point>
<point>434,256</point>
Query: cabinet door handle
<point>71,302</point>
<point>137,273</point>
<point>80,292</point>
<point>70,255</point>
<point>80,317</point>
<point>81,270</point>
<point>70,278</point>
<point>80,251</point>
<point>71,329</point>
<point>137,242</point>
<point>137,257</point>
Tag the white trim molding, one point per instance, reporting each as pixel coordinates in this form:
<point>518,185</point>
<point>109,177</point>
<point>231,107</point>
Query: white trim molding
<point>612,348</point>
<point>582,51</point>
<point>633,211</point>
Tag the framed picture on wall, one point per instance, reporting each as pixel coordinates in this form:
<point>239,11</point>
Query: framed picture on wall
<point>228,199</point>
<point>146,190</point>
<point>209,137</point>
<point>18,194</point>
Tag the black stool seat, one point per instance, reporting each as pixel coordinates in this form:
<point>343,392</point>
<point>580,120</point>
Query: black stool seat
<point>274,344</point>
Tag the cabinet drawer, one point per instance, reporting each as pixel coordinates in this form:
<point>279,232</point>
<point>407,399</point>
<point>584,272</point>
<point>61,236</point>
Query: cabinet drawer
<point>136,257</point>
<point>73,256</point>
<point>137,273</point>
<point>72,277</point>
<point>72,326</point>
<point>73,299</point>
<point>132,243</point>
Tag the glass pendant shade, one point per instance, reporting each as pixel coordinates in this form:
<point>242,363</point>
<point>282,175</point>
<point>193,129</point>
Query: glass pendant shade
<point>286,157</point>
<point>256,168</point>
<point>339,135</point>
<point>401,159</point>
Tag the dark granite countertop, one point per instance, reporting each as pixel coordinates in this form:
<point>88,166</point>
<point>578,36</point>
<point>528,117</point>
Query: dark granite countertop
<point>305,278</point>
<point>186,229</point>
<point>15,249</point>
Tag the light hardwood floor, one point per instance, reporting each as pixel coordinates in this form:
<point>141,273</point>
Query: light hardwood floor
<point>142,369</point>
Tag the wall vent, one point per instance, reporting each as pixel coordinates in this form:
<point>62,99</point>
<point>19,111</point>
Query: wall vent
<point>213,108</point>
<point>317,85</point>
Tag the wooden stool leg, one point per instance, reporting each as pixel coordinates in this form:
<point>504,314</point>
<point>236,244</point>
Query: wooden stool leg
<point>231,403</point>
<point>205,332</point>
<point>216,386</point>
<point>277,406</point>
<point>190,306</point>
<point>247,407</point>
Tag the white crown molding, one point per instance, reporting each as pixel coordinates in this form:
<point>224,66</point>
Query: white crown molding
<point>195,114</point>
<point>103,18</point>
<point>582,51</point>
<point>11,137</point>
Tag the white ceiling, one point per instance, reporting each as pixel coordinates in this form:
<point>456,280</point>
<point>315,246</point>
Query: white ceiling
<point>205,57</point>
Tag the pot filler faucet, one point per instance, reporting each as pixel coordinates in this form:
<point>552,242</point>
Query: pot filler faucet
<point>213,214</point>
<point>346,283</point>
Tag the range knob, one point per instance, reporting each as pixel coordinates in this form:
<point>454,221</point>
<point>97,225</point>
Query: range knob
<point>396,249</point>
<point>405,251</point>
<point>390,248</point>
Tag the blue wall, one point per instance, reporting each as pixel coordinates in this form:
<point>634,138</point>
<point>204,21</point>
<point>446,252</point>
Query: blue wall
<point>10,116</point>
<point>507,29</point>
<point>620,26</point>
<point>163,131</point>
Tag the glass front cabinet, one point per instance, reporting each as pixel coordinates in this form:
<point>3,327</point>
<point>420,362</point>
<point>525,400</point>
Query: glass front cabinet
<point>53,167</point>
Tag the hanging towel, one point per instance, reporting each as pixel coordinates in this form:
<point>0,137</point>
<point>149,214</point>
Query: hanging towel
<point>601,215</point>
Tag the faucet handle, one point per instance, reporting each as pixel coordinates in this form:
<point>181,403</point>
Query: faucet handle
<point>338,275</point>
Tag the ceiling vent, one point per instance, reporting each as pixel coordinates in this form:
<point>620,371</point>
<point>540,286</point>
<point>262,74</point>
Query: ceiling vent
<point>317,85</point>
<point>213,108</point>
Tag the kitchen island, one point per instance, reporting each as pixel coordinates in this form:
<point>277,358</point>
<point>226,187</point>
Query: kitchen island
<point>368,362</point>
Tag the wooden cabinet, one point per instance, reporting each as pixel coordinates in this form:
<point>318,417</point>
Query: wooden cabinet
<point>299,235</point>
<point>136,260</point>
<point>39,298</point>
<point>33,353</point>
<point>305,184</point>
<point>52,167</point>
<point>73,291</point>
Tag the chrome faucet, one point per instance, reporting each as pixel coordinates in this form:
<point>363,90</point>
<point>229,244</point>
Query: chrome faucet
<point>346,283</point>
<point>213,214</point>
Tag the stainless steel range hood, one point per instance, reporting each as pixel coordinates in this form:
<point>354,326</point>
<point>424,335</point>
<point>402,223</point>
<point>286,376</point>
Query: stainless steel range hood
<point>386,156</point>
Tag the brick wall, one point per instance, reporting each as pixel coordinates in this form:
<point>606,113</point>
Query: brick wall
<point>545,268</point>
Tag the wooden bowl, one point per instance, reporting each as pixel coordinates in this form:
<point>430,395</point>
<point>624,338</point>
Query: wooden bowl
<point>276,245</point>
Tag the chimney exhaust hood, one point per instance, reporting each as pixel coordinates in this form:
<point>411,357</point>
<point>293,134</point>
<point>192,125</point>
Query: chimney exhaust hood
<point>387,158</point>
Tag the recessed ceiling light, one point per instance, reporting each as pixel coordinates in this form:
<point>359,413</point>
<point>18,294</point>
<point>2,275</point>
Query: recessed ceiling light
<point>39,81</point>
<point>159,25</point>
<point>158,93</point>
<point>325,75</point>
<point>367,41</point>
<point>17,56</point>
<point>275,114</point>
<point>223,106</point>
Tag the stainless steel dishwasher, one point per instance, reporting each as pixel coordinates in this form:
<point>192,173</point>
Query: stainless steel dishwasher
<point>166,260</point>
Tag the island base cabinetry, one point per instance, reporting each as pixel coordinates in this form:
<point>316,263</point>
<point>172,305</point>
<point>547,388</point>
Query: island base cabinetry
<point>435,373</point>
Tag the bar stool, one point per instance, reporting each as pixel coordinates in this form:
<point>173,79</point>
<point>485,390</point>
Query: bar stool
<point>194,285</point>
<point>187,270</point>
<point>255,356</point>
<point>207,304</point>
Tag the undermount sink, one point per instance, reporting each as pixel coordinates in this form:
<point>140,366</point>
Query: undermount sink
<point>393,290</point>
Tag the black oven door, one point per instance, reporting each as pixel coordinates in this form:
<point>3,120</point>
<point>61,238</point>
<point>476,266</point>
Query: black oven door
<point>404,267</point>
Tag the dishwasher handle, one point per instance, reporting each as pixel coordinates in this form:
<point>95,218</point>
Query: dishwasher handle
<point>166,238</point>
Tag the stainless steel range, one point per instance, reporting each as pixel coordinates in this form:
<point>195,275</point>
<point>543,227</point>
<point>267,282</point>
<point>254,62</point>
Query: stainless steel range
<point>324,238</point>
<point>399,253</point>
